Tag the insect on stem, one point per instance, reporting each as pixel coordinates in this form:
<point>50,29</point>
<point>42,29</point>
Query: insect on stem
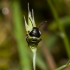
<point>33,36</point>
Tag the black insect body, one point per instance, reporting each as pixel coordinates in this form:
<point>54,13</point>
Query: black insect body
<point>35,32</point>
<point>33,37</point>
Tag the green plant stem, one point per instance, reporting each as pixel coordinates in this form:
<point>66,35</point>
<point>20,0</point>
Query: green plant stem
<point>39,61</point>
<point>64,66</point>
<point>34,49</point>
<point>34,60</point>
<point>19,36</point>
<point>64,38</point>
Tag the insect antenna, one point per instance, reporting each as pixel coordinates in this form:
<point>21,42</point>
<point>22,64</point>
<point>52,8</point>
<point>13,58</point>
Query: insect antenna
<point>42,24</point>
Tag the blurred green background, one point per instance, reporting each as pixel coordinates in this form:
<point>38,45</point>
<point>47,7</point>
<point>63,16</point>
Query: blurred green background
<point>54,49</point>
